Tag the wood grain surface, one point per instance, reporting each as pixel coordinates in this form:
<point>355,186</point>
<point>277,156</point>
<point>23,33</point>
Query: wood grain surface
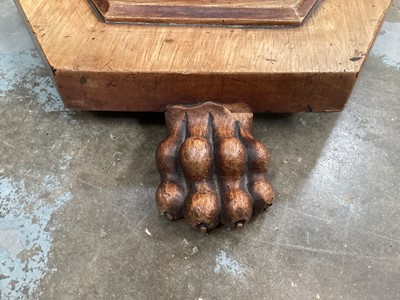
<point>98,66</point>
<point>239,12</point>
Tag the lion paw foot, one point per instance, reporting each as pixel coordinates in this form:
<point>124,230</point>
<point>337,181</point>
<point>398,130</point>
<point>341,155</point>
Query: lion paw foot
<point>212,169</point>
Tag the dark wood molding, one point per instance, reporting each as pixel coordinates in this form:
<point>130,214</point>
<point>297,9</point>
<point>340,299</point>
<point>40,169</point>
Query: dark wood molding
<point>209,12</point>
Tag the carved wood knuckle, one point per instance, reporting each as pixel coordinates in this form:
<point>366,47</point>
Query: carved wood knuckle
<point>212,168</point>
<point>196,158</point>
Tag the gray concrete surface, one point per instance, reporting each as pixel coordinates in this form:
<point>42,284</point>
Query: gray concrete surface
<point>75,224</point>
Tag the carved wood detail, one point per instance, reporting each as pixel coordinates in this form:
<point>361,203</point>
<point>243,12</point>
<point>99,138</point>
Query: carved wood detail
<point>212,168</point>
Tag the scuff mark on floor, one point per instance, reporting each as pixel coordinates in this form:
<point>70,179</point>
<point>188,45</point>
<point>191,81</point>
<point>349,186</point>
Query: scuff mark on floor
<point>25,233</point>
<point>387,45</point>
<point>227,265</point>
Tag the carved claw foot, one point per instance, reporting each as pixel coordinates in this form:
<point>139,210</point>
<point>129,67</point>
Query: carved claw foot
<point>212,169</point>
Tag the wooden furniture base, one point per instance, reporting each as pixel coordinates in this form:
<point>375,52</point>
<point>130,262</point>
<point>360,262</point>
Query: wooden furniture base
<point>137,67</point>
<point>212,168</point>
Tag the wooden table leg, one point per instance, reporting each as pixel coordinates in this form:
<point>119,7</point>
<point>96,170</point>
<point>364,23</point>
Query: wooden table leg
<point>212,168</point>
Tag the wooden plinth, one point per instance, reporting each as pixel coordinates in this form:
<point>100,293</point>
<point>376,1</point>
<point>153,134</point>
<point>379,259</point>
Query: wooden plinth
<point>123,67</point>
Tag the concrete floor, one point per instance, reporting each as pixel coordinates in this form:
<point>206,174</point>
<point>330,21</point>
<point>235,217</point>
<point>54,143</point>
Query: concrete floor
<point>75,224</point>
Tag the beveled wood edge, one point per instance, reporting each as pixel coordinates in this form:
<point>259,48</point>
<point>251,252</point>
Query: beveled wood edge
<point>142,13</point>
<point>51,72</point>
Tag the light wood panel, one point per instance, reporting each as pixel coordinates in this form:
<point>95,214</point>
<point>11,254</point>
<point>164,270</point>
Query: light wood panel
<point>100,66</point>
<point>227,12</point>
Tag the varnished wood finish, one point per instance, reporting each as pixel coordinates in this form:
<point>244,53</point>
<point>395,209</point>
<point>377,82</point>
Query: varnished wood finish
<point>99,66</point>
<point>239,12</point>
<point>212,169</point>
